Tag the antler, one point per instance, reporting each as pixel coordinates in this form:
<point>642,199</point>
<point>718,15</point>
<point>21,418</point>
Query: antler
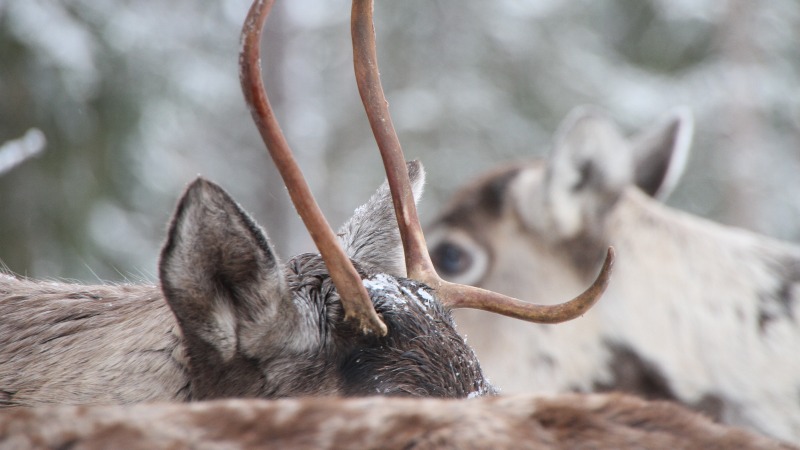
<point>355,299</point>
<point>418,261</point>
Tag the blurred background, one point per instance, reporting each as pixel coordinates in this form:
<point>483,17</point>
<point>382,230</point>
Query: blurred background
<point>135,98</point>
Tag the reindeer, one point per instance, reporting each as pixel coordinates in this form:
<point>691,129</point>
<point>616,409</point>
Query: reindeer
<point>229,319</point>
<point>571,421</point>
<point>226,332</point>
<point>701,313</point>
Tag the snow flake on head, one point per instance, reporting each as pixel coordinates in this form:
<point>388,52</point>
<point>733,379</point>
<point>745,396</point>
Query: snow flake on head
<point>425,295</point>
<point>397,296</point>
<point>383,284</point>
<point>418,325</point>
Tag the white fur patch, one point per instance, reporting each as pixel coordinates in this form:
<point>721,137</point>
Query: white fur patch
<point>222,331</point>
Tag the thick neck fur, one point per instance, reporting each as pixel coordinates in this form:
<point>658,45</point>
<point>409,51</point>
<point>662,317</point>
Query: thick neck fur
<point>735,265</point>
<point>726,310</point>
<point>65,343</point>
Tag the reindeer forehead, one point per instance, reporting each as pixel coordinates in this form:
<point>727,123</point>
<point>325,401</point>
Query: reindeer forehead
<point>308,279</point>
<point>486,195</point>
<point>388,292</point>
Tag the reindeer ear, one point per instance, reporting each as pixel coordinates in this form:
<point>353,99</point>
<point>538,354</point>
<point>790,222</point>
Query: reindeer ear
<point>589,166</point>
<point>371,237</point>
<point>220,276</point>
<point>661,151</point>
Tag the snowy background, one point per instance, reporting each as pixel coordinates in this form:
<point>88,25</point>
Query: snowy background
<point>137,98</point>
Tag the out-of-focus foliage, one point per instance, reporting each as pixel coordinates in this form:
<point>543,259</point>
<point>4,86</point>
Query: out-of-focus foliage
<point>136,98</point>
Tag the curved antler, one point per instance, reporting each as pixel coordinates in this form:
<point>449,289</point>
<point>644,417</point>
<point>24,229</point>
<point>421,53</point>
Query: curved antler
<point>355,299</point>
<point>418,261</point>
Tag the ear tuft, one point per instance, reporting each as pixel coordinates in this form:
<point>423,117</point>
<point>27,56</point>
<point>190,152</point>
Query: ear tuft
<point>371,236</point>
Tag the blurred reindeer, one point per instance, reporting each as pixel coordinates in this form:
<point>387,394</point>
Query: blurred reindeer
<point>701,313</point>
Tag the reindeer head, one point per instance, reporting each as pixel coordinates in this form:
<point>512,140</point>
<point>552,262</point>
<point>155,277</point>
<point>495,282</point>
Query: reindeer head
<point>344,321</point>
<point>539,228</point>
<point>253,326</point>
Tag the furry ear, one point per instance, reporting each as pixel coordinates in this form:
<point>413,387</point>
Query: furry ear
<point>590,165</point>
<point>592,162</point>
<point>660,153</point>
<point>222,279</point>
<point>371,237</point>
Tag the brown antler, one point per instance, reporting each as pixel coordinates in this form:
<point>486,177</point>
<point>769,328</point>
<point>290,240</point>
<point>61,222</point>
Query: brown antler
<point>355,299</point>
<point>418,261</point>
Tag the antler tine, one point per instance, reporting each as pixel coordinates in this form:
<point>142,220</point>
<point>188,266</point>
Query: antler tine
<point>355,299</point>
<point>461,296</point>
<point>418,261</point>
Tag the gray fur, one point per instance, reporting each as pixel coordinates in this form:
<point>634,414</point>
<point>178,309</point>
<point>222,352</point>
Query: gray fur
<point>371,235</point>
<point>229,320</point>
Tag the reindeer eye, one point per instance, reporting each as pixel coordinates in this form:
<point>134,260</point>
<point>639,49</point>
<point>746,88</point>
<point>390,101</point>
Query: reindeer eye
<point>457,257</point>
<point>451,259</point>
